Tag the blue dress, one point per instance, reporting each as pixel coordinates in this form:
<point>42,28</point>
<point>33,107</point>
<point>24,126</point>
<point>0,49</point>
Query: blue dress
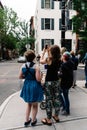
<point>32,90</point>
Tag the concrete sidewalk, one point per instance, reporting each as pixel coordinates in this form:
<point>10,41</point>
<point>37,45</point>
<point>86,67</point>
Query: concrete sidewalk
<point>12,113</point>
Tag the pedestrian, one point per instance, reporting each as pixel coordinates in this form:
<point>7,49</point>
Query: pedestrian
<point>76,62</point>
<point>63,49</point>
<point>52,85</point>
<point>43,59</point>
<point>66,81</point>
<point>31,92</point>
<point>84,61</point>
<point>44,54</point>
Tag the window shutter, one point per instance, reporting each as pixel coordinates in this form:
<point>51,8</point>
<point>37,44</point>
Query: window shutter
<point>42,44</point>
<point>52,41</point>
<point>52,4</point>
<point>52,24</point>
<point>60,23</point>
<point>42,24</point>
<point>60,5</point>
<point>42,4</point>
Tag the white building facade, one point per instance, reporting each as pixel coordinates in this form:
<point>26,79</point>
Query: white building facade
<point>48,25</point>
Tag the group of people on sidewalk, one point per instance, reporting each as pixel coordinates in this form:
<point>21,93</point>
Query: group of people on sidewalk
<point>60,77</point>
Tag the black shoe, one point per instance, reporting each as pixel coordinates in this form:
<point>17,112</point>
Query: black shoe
<point>27,123</point>
<point>34,123</point>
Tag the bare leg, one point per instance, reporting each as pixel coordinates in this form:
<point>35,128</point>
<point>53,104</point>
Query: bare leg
<point>28,110</point>
<point>34,111</point>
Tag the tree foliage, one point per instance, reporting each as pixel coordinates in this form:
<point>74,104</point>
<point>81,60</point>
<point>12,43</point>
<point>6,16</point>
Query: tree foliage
<point>80,20</point>
<point>25,38</point>
<point>8,27</point>
<point>14,34</point>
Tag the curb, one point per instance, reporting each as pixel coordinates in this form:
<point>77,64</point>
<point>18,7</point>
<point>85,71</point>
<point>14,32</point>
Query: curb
<point>4,104</point>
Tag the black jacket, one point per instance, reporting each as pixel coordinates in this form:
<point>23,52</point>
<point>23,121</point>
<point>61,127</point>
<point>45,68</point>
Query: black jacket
<point>75,61</point>
<point>67,74</point>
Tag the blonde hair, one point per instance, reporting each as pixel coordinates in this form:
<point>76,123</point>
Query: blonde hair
<point>72,52</point>
<point>63,49</point>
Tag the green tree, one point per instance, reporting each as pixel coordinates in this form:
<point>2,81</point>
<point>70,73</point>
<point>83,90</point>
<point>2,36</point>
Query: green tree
<point>8,25</point>
<point>25,38</point>
<point>80,21</point>
<point>14,34</point>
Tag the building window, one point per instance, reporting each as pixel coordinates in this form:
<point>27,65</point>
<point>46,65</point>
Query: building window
<point>47,4</point>
<point>68,25</point>
<point>69,4</point>
<point>61,5</point>
<point>68,44</point>
<point>47,24</point>
<point>46,42</point>
<point>62,25</point>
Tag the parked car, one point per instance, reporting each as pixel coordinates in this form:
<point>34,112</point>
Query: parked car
<point>21,59</point>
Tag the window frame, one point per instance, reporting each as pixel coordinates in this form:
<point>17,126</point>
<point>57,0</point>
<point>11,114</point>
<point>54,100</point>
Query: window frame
<point>50,6</point>
<point>50,24</point>
<point>46,41</point>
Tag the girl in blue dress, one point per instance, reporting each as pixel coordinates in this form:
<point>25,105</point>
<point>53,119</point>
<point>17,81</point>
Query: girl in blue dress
<point>31,92</point>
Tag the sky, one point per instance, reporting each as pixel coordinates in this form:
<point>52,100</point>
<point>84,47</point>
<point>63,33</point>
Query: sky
<point>24,8</point>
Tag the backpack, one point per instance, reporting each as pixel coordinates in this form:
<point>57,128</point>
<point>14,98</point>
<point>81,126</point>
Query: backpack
<point>28,69</point>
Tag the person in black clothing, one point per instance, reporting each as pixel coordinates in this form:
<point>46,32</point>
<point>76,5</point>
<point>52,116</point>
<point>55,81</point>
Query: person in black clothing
<point>66,81</point>
<point>75,61</point>
<point>52,85</point>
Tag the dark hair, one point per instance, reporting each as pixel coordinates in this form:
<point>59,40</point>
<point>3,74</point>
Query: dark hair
<point>55,52</point>
<point>29,55</point>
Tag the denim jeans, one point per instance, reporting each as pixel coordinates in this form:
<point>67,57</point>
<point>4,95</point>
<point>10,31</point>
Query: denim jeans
<point>65,100</point>
<point>86,75</point>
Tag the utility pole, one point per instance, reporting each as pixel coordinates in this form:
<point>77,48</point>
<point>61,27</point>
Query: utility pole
<point>63,27</point>
<point>63,20</point>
